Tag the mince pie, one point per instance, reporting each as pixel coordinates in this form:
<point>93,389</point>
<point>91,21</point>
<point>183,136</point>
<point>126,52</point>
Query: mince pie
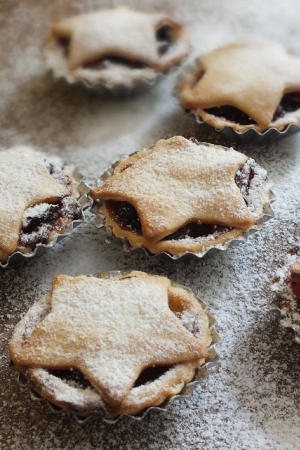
<point>287,286</point>
<point>245,85</point>
<point>115,47</point>
<point>113,344</point>
<point>38,200</point>
<point>181,196</point>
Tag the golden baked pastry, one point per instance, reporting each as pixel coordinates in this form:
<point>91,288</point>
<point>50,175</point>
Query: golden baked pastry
<point>245,85</point>
<point>112,345</point>
<point>115,47</point>
<point>180,196</point>
<point>38,200</point>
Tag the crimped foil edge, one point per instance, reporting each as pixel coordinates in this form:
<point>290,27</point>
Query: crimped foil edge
<point>201,373</point>
<point>106,89</point>
<point>84,200</point>
<point>251,136</point>
<point>268,213</point>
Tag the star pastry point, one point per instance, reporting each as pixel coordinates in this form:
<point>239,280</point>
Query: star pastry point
<point>93,323</point>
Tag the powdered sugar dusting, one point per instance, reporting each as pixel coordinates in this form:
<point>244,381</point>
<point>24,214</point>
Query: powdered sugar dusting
<point>110,330</point>
<point>258,194</point>
<point>123,32</point>
<point>252,400</point>
<point>100,326</point>
<point>177,180</point>
<point>36,210</point>
<point>287,300</point>
<point>190,323</point>
<point>24,182</point>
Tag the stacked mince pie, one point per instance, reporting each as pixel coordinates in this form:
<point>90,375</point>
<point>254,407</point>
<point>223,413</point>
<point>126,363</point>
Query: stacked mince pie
<point>119,343</point>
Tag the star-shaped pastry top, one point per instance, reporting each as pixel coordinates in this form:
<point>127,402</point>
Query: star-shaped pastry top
<point>251,76</point>
<point>177,182</point>
<point>118,32</point>
<point>110,330</point>
<point>24,182</point>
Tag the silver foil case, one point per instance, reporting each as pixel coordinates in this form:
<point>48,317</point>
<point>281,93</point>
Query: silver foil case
<point>110,237</point>
<point>200,378</point>
<point>84,201</point>
<point>250,136</point>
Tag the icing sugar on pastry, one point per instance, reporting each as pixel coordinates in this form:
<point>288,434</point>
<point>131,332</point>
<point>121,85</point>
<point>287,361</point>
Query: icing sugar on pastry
<point>24,182</point>
<point>250,76</point>
<point>111,330</point>
<point>33,202</point>
<point>109,44</point>
<point>177,183</point>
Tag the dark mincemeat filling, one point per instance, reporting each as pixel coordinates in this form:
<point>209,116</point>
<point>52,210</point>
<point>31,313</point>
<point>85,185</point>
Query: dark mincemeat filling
<point>164,39</point>
<point>72,377</point>
<point>77,379</point>
<point>151,374</point>
<point>289,103</point>
<point>101,63</point>
<point>41,225</point>
<point>231,114</point>
<point>127,218</point>
<point>195,230</point>
<point>243,180</point>
<point>64,44</point>
<point>125,215</point>
<point>36,229</point>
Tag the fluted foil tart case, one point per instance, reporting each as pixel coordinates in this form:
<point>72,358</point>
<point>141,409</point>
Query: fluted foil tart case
<point>107,91</point>
<point>110,237</point>
<point>200,378</point>
<point>83,200</point>
<point>250,136</point>
<point>124,84</point>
